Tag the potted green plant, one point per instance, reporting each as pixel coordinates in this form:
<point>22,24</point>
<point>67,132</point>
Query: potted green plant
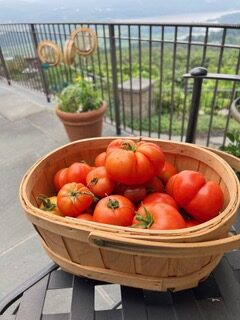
<point>81,110</point>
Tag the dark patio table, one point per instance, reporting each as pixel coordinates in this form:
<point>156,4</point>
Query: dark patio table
<point>218,297</point>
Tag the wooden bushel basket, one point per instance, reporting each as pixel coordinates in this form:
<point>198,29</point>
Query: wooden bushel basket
<point>150,259</point>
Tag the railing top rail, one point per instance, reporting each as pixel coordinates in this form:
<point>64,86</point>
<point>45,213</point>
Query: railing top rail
<point>215,76</point>
<point>134,23</point>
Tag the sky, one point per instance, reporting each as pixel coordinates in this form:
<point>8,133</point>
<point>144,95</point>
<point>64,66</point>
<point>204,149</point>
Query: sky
<point>105,10</point>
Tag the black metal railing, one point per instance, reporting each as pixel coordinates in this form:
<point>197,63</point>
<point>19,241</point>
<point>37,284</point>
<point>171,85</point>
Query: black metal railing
<point>139,69</point>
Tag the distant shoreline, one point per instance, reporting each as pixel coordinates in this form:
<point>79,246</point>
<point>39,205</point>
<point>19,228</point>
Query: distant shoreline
<point>187,17</point>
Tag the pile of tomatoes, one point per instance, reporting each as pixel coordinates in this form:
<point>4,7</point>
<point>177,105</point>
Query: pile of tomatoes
<point>133,185</point>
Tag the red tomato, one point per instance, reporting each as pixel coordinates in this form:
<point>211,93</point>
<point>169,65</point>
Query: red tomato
<point>99,182</point>
<point>116,210</point>
<point>154,185</point>
<point>85,216</point>
<point>185,185</point>
<point>207,203</point>
<point>158,197</point>
<point>77,172</point>
<point>158,216</point>
<point>191,223</point>
<point>133,193</point>
<point>133,163</point>
<point>202,200</point>
<point>60,178</point>
<point>167,172</point>
<point>100,159</point>
<point>73,198</point>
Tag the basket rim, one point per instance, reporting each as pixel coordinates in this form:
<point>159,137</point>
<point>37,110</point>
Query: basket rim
<point>200,229</point>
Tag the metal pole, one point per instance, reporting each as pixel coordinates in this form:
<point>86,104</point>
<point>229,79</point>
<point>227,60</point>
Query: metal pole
<point>4,67</point>
<point>114,78</point>
<point>198,75</point>
<point>193,116</point>
<point>43,77</point>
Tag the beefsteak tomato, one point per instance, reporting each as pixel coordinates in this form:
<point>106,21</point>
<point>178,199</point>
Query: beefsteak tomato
<point>201,199</point>
<point>132,162</point>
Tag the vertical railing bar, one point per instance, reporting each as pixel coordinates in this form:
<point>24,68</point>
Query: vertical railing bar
<point>205,46</point>
<point>99,64</point>
<point>80,62</point>
<point>121,77</point>
<point>93,66</point>
<point>77,61</point>
<point>26,51</point>
<point>37,80</point>
<point>31,55</point>
<point>231,99</point>
<point>26,55</point>
<point>10,49</point>
<point>107,68</point>
<point>216,84</point>
<point>8,75</point>
<point>74,66</point>
<point>85,58</point>
<point>16,51</point>
<point>140,77</point>
<point>130,74</point>
<point>21,53</point>
<point>42,74</point>
<point>38,35</point>
<point>114,78</point>
<point>56,69</point>
<point>4,67</point>
<point>173,80</point>
<point>186,83</point>
<point>161,82</point>
<point>63,69</point>
<point>150,84</point>
<point>69,70</point>
<point>49,71</point>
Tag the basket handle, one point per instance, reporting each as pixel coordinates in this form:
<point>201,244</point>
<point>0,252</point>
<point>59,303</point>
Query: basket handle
<point>117,243</point>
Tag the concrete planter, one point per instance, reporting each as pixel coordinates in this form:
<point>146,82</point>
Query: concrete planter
<point>83,125</point>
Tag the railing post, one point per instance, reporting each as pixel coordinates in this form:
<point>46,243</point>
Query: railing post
<point>193,115</point>
<point>114,78</point>
<point>199,74</point>
<point>6,73</point>
<point>42,74</point>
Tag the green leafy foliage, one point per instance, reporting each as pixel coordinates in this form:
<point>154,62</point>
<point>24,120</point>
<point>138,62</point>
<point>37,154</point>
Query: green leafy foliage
<point>234,145</point>
<point>80,96</point>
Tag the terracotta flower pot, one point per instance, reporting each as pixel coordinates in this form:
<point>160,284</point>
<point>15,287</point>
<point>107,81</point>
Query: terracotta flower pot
<point>83,125</point>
